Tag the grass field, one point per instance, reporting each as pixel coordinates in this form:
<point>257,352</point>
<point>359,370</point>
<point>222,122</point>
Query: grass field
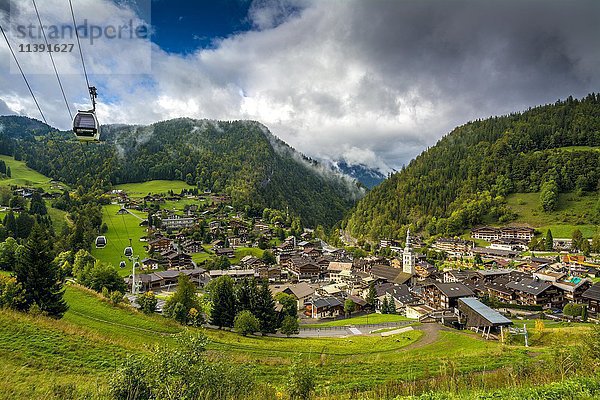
<point>158,186</point>
<point>120,229</point>
<point>84,347</point>
<point>363,320</point>
<point>572,213</point>
<point>22,175</point>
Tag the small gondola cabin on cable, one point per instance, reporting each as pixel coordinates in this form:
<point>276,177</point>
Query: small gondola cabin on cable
<point>85,123</point>
<point>86,127</point>
<point>100,242</point>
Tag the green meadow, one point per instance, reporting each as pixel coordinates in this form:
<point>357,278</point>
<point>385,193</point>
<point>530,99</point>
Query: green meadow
<point>82,350</point>
<point>22,175</point>
<point>156,187</point>
<point>572,213</point>
<point>120,229</point>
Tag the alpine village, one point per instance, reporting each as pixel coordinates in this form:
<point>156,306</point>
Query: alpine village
<point>194,258</point>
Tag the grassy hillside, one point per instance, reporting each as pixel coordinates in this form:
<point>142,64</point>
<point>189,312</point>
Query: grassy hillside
<point>22,175</point>
<point>156,187</point>
<point>120,229</point>
<point>239,158</point>
<point>81,352</point>
<point>573,212</point>
<point>464,179</point>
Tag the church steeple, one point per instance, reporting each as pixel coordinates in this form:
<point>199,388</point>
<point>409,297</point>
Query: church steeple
<point>408,257</point>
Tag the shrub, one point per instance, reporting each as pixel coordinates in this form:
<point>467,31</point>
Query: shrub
<point>246,323</point>
<point>147,302</point>
<point>301,380</point>
<point>12,294</point>
<point>290,326</point>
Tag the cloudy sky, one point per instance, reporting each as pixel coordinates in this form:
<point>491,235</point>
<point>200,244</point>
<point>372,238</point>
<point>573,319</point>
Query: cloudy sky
<point>373,82</point>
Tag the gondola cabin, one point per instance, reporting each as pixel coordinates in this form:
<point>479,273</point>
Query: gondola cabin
<point>128,252</point>
<point>86,127</point>
<point>100,242</point>
<point>122,264</point>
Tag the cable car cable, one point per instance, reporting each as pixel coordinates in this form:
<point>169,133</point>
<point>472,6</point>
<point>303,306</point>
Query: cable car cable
<point>23,75</point>
<point>52,59</point>
<point>79,45</point>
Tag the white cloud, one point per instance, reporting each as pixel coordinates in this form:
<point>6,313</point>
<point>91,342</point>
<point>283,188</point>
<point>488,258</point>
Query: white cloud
<point>370,82</point>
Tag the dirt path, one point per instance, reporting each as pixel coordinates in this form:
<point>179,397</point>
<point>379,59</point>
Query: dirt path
<point>431,333</point>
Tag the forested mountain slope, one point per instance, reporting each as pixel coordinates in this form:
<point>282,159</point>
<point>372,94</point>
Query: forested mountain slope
<point>239,158</point>
<point>463,180</point>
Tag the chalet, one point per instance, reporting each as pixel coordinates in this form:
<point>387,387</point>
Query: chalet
<point>489,275</point>
<point>360,303</point>
<point>176,222</point>
<point>122,211</point>
<point>145,282</point>
<point>217,244</point>
<point>389,274</point>
<point>335,268</point>
<point>458,275</point>
<point>476,315</point>
<point>214,225</point>
<point>225,252</point>
<point>497,290</point>
<point>311,252</point>
<point>253,262</point>
<point>285,247</point>
<point>303,269</point>
<point>399,293</point>
<point>509,244</point>
<point>441,296</point>
<point>159,245</point>
<point>169,277</point>
<point>324,307</point>
<point>532,292</point>
<point>486,233</point>
<point>487,252</point>
<point>517,232</point>
<point>453,246</point>
<point>573,288</point>
<point>235,274</point>
<point>150,263</point>
<point>301,291</point>
<point>262,228</point>
<point>192,246</point>
<point>270,273</point>
<point>549,276</point>
<point>424,270</point>
<point>234,241</point>
<point>179,260</point>
<point>490,234</point>
<point>592,298</point>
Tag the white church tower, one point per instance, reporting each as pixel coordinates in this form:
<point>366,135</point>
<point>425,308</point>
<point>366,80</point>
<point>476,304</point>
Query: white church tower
<point>408,257</point>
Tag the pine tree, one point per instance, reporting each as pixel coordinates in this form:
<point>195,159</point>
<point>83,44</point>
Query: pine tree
<point>576,240</point>
<point>372,295</point>
<point>246,293</point>
<point>549,241</point>
<point>39,275</point>
<point>391,306</point>
<point>385,306</point>
<point>10,224</point>
<point>223,302</point>
<point>8,172</point>
<point>265,309</point>
<point>37,206</point>
<point>24,225</point>
<point>183,300</point>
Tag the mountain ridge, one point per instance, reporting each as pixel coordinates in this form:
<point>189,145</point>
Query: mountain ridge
<point>464,179</point>
<point>239,158</point>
